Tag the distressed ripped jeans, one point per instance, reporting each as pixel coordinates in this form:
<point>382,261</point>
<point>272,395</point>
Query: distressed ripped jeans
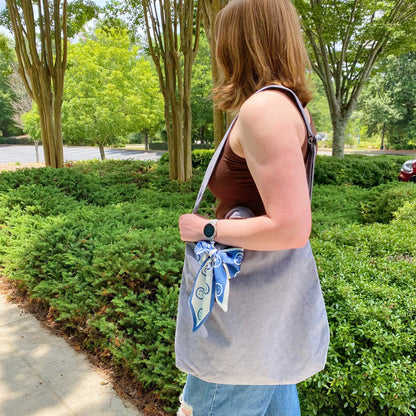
<point>209,399</point>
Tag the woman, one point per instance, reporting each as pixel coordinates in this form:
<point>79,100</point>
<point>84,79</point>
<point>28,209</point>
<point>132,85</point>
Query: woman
<point>262,168</point>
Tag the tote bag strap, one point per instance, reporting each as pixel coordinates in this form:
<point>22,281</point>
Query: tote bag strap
<point>310,156</point>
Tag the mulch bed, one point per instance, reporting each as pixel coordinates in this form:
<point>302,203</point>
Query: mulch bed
<point>14,166</point>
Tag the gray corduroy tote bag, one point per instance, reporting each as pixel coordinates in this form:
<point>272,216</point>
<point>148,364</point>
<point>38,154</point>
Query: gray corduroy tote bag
<point>275,330</point>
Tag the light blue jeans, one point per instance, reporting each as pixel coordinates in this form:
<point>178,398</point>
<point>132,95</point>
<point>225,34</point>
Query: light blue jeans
<point>208,399</point>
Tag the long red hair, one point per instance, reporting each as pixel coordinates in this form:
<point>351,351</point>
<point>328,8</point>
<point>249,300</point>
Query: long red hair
<point>259,42</point>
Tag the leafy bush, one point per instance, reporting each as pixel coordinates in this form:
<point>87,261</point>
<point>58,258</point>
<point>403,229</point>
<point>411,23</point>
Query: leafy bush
<point>334,205</point>
<point>205,146</point>
<point>367,276</point>
<point>26,140</point>
<point>164,158</point>
<point>200,158</point>
<point>384,200</point>
<point>158,146</point>
<point>407,212</point>
<point>98,244</point>
<point>358,170</point>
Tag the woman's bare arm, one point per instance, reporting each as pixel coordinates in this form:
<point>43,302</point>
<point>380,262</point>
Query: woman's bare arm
<point>269,133</point>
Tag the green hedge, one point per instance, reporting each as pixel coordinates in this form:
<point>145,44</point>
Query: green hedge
<point>367,275</point>
<point>383,201</point>
<point>338,205</point>
<point>98,244</point>
<point>364,171</point>
<point>158,146</point>
<point>164,146</point>
<point>200,158</point>
<point>17,141</point>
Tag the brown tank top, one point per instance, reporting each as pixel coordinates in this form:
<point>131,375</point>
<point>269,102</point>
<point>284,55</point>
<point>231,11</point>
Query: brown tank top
<point>232,184</point>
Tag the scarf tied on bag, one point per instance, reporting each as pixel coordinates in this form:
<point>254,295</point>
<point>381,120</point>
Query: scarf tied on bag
<point>212,279</point>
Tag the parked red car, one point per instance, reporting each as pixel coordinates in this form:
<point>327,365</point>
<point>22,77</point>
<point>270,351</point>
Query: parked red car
<point>408,172</point>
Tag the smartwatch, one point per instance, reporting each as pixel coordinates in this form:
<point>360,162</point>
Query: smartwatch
<point>210,230</point>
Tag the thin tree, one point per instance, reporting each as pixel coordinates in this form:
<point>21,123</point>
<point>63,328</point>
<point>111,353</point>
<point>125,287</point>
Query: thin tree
<point>346,38</point>
<point>40,33</point>
<point>210,9</point>
<point>173,37</point>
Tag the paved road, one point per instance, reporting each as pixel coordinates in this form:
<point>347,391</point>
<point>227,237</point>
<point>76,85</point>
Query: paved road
<point>27,154</point>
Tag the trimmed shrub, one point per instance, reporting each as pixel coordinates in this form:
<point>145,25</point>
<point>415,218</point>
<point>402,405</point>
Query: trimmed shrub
<point>205,146</point>
<point>158,146</point>
<point>382,201</point>
<point>164,158</point>
<point>364,171</point>
<point>367,276</point>
<point>407,212</point>
<point>98,244</point>
<point>201,158</point>
<point>17,140</point>
<point>336,206</point>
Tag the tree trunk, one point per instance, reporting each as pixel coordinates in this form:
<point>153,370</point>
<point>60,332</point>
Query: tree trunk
<point>219,125</point>
<point>102,152</point>
<point>44,134</point>
<point>51,130</point>
<point>342,54</point>
<point>173,38</point>
<point>383,132</point>
<point>187,112</point>
<point>146,140</point>
<point>210,9</point>
<point>339,124</point>
<point>43,72</point>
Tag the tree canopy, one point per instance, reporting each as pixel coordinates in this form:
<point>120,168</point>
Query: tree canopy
<point>345,39</point>
<point>7,126</point>
<point>31,124</point>
<point>388,103</point>
<point>41,32</point>
<point>109,92</point>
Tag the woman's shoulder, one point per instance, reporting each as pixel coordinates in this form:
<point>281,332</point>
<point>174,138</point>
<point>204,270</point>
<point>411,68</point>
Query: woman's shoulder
<point>271,107</point>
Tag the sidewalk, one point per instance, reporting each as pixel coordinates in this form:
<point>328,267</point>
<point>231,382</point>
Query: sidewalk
<point>42,375</point>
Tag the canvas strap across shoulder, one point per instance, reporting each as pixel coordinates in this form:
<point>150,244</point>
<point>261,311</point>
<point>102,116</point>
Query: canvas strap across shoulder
<point>275,330</point>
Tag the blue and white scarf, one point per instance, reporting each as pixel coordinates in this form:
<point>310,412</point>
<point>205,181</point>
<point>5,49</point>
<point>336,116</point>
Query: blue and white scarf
<point>212,279</point>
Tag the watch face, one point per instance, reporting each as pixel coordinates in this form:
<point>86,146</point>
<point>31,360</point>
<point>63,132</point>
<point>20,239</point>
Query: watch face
<point>209,230</point>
